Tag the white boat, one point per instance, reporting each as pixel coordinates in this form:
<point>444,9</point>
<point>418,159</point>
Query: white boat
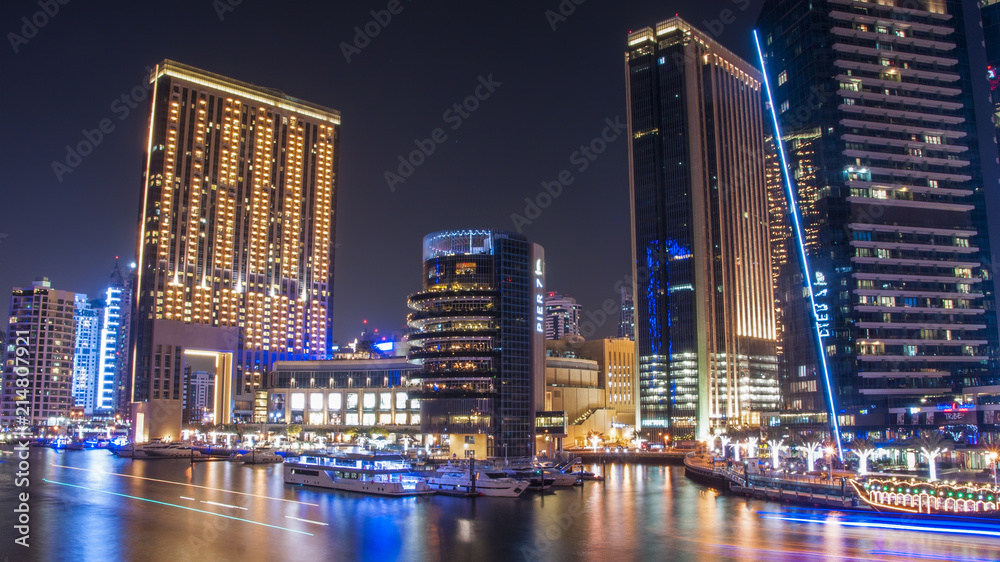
<point>154,450</point>
<point>494,483</point>
<point>257,456</point>
<point>383,475</point>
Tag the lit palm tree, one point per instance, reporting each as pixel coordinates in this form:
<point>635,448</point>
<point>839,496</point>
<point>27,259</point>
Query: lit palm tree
<point>595,437</point>
<point>776,446</point>
<point>812,449</point>
<point>864,450</point>
<point>932,446</point>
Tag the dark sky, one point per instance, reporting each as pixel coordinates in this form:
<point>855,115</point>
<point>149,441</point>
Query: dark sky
<point>556,89</point>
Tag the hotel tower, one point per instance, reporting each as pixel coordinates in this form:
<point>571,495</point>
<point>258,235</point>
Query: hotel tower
<point>704,305</point>
<point>236,241</point>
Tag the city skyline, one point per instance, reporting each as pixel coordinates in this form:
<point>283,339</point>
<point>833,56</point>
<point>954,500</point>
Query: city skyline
<point>586,223</point>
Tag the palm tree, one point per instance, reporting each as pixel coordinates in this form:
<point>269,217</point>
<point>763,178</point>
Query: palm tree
<point>776,446</point>
<point>595,437</point>
<point>932,446</point>
<point>863,449</point>
<point>740,437</point>
<point>812,448</point>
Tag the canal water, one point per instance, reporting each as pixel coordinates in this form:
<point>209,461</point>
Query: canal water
<point>90,505</point>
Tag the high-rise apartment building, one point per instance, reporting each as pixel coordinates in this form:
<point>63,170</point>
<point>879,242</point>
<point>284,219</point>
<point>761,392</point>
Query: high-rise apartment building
<point>704,306</point>
<point>236,239</point>
<point>112,345</point>
<point>87,318</point>
<point>479,336</point>
<point>41,344</point>
<point>878,130</point>
<point>562,316</point>
<point>991,30</point>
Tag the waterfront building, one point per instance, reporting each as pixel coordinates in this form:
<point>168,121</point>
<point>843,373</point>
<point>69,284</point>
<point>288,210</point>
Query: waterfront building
<point>990,10</point>
<point>42,324</point>
<point>479,338</point>
<point>87,318</point>
<point>335,396</point>
<point>704,307</point>
<point>112,346</point>
<point>562,316</point>
<point>895,318</point>
<point>236,240</point>
<point>123,363</point>
<point>626,320</point>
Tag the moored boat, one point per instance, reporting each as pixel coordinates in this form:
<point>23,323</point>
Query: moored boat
<point>889,495</point>
<point>494,483</point>
<point>383,475</point>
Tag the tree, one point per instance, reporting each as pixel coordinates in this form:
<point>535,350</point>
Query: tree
<point>812,448</point>
<point>776,446</point>
<point>595,437</point>
<point>724,439</point>
<point>293,430</point>
<point>932,445</point>
<point>863,449</point>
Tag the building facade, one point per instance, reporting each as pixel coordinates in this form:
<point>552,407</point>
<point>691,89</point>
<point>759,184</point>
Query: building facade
<point>990,10</point>
<point>87,318</point>
<point>877,125</point>
<point>562,316</point>
<point>626,319</point>
<point>704,306</point>
<point>236,239</point>
<point>41,345</point>
<point>478,336</point>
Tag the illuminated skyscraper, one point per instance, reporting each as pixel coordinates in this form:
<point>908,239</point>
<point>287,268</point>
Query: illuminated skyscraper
<point>562,316</point>
<point>874,103</point>
<point>236,240</point>
<point>991,30</point>
<point>479,336</point>
<point>704,305</point>
<point>87,318</point>
<point>626,320</point>
<point>42,325</point>
<point>111,350</point>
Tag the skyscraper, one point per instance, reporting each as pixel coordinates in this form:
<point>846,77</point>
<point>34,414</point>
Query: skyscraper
<point>562,316</point>
<point>878,130</point>
<point>236,239</point>
<point>991,30</point>
<point>704,307</point>
<point>626,319</point>
<point>479,336</point>
<point>87,318</point>
<point>112,342</point>
<point>42,325</point>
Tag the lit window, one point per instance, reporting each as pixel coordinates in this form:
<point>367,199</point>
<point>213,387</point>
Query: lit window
<point>782,77</point>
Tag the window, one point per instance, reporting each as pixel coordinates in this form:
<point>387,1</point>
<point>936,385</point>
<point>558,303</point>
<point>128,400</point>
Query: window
<point>932,139</point>
<point>369,401</point>
<point>316,401</point>
<point>352,419</point>
<point>334,401</point>
<point>784,106</point>
<point>932,183</point>
<point>352,402</point>
<point>298,401</point>
<point>909,350</point>
<point>368,419</point>
<point>385,401</point>
<point>947,303</point>
<point>400,400</point>
<point>782,77</point>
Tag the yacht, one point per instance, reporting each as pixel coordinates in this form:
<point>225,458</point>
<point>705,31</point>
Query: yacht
<point>154,450</point>
<point>488,482</point>
<point>366,473</point>
<point>257,456</point>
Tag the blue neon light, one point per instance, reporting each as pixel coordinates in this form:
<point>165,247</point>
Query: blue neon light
<point>793,205</point>
<point>653,297</point>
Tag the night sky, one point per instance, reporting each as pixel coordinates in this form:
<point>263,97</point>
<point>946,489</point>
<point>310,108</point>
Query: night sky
<point>556,90</point>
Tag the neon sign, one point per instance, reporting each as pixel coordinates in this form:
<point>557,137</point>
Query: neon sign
<point>790,192</point>
<point>539,298</point>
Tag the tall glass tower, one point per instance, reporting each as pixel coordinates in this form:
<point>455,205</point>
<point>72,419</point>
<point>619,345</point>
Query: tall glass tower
<point>874,107</point>
<point>704,305</point>
<point>236,240</point>
<point>479,336</point>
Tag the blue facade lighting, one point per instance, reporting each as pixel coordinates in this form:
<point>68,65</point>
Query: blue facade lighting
<point>793,206</point>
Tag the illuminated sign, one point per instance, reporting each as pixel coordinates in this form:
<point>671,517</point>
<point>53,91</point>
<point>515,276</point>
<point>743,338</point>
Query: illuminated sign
<point>793,206</point>
<point>820,308</point>
<point>384,346</point>
<point>539,298</point>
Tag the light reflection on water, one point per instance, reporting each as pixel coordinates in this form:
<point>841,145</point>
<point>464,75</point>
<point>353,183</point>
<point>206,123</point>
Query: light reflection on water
<point>640,512</point>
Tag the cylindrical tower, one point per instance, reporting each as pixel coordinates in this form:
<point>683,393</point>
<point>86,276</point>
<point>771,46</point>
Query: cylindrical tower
<point>472,337</point>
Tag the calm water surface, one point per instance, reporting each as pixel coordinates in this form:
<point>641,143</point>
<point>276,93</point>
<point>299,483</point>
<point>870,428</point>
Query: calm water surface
<point>90,505</point>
